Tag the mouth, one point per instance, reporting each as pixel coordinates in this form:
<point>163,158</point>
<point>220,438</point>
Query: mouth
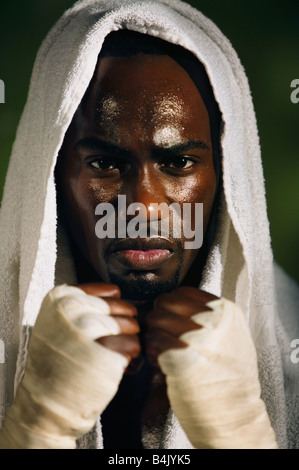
<point>143,254</point>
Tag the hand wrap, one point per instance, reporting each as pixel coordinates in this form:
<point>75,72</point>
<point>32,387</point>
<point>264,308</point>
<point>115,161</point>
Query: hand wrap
<point>213,384</point>
<point>69,379</point>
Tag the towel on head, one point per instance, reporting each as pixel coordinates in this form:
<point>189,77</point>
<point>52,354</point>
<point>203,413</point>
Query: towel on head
<point>34,253</point>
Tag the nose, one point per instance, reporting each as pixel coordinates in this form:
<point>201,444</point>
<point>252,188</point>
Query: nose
<point>146,195</point>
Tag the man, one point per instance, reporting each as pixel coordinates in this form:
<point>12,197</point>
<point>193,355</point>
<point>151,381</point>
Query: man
<point>136,337</point>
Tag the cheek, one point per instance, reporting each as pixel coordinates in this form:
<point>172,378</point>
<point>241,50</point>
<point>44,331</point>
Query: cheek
<point>199,188</point>
<point>82,195</point>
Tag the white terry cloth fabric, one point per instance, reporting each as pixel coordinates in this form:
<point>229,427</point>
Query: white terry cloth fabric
<point>240,265</point>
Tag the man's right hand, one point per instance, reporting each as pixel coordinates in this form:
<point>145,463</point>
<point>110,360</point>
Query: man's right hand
<point>124,313</point>
<point>80,346</point>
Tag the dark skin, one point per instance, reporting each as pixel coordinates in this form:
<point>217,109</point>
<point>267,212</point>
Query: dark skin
<point>145,135</point>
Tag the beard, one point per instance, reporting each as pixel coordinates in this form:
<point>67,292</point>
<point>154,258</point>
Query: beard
<point>143,286</point>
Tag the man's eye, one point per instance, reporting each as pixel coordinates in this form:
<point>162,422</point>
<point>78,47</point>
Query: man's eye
<point>179,163</point>
<point>103,164</point>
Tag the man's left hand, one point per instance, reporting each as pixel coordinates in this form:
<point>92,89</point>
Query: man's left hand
<point>171,317</point>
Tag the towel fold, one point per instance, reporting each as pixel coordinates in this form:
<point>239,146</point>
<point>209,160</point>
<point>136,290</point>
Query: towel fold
<point>34,252</point>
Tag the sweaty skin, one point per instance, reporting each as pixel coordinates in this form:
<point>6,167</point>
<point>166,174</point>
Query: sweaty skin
<point>143,131</point>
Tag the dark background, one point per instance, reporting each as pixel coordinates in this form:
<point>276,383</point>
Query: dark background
<point>266,36</point>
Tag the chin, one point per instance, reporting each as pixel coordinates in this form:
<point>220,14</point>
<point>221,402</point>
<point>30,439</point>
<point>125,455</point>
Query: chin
<point>144,285</point>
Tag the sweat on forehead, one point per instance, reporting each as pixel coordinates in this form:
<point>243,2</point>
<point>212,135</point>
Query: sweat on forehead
<point>126,43</point>
<point>150,92</point>
<point>164,104</point>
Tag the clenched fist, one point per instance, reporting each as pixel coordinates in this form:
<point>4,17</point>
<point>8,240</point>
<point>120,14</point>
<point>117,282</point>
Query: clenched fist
<point>204,347</point>
<point>126,342</point>
<point>80,346</point>
<point>171,317</point>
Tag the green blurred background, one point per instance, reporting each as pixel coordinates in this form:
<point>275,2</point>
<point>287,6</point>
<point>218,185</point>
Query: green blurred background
<point>266,36</point>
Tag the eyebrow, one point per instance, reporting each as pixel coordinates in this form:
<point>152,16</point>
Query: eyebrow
<point>94,143</point>
<point>180,148</point>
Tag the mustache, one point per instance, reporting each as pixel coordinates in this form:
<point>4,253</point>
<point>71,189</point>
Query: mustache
<point>144,244</point>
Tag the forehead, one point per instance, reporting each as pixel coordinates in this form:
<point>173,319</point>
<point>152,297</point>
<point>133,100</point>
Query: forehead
<point>142,99</point>
<point>144,82</point>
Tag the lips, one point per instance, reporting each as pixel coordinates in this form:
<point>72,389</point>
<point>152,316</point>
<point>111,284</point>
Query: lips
<point>143,254</point>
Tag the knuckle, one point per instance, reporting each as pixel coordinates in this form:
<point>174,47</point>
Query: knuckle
<point>100,289</point>
<point>128,324</point>
<point>134,346</point>
<point>122,307</point>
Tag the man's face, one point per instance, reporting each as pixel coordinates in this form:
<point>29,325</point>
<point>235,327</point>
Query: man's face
<point>142,132</point>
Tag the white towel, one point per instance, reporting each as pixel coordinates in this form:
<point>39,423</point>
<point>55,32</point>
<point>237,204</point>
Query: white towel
<point>240,265</point>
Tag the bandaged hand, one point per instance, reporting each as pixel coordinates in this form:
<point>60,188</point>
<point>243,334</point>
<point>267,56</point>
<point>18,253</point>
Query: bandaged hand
<point>203,346</point>
<point>79,349</point>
